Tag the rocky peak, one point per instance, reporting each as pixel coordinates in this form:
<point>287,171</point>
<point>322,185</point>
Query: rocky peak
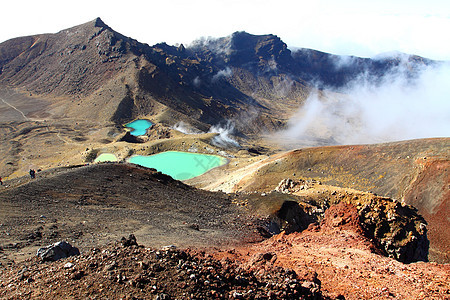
<point>74,61</point>
<point>95,23</point>
<point>258,53</point>
<point>88,30</point>
<point>99,23</point>
<point>265,52</point>
<point>265,45</point>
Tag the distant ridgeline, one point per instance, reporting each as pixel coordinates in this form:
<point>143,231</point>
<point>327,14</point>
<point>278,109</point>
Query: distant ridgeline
<point>254,80</point>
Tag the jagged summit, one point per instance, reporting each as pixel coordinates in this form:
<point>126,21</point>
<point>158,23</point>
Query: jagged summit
<point>83,32</point>
<point>99,22</point>
<point>241,40</point>
<point>260,53</point>
<point>95,23</point>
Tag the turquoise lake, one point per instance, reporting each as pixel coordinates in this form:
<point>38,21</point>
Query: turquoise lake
<point>139,127</point>
<point>180,165</point>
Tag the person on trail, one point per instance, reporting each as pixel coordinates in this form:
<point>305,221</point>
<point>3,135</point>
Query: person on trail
<point>32,173</point>
<point>1,182</point>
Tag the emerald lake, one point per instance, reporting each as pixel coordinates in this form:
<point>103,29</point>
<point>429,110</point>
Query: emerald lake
<point>139,127</point>
<point>180,165</point>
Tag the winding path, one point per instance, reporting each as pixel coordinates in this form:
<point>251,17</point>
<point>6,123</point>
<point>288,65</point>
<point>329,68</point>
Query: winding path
<point>15,108</point>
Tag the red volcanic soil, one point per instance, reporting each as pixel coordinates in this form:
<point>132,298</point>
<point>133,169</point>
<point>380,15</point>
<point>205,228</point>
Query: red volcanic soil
<point>135,272</point>
<point>416,172</point>
<point>433,182</point>
<point>345,262</point>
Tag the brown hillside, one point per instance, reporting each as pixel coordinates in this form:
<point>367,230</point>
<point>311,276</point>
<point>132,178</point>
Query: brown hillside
<point>415,172</point>
<point>93,205</point>
<point>91,72</point>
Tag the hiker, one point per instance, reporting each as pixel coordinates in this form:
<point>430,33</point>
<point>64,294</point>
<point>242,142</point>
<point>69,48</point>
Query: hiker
<point>1,182</point>
<point>32,173</point>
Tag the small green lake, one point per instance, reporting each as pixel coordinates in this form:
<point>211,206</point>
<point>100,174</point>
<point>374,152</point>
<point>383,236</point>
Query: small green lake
<point>139,127</point>
<point>106,157</point>
<point>180,165</point>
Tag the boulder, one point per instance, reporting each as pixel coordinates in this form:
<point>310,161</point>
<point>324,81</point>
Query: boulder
<point>130,241</point>
<point>57,251</point>
<point>285,185</point>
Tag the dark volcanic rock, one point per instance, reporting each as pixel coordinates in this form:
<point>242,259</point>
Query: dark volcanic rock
<point>334,71</point>
<point>130,241</point>
<point>148,273</point>
<point>128,137</point>
<point>262,54</point>
<point>397,230</point>
<point>57,251</point>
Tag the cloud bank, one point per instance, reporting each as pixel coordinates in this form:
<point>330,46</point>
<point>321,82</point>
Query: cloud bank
<point>397,107</point>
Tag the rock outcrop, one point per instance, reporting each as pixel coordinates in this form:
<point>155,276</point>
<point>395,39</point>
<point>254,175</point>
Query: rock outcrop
<point>414,172</point>
<point>289,186</point>
<point>57,251</point>
<point>397,229</point>
<point>129,138</point>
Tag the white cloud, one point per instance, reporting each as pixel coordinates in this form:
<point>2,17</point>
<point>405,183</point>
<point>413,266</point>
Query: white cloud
<point>399,108</point>
<point>222,73</point>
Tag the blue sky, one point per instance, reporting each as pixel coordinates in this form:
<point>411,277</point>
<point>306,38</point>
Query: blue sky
<point>350,27</point>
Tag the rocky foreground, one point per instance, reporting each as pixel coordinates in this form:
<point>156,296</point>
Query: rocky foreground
<point>306,240</point>
<point>135,272</point>
<point>327,261</point>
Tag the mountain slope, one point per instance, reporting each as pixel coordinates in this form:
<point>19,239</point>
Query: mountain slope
<point>94,72</point>
<point>90,206</point>
<point>334,71</point>
<point>91,71</point>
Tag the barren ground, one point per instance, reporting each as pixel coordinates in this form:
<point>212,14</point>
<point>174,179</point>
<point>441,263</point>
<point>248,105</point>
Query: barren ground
<point>94,205</point>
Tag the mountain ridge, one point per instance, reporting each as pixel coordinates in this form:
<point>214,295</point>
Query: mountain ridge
<point>204,84</point>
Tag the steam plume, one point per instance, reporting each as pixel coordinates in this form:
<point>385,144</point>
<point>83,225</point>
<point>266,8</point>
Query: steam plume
<point>227,72</point>
<point>224,138</point>
<point>399,107</point>
<point>186,128</point>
